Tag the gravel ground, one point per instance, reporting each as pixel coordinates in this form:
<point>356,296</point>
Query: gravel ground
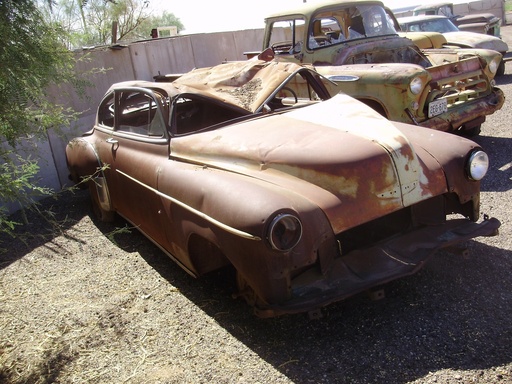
<point>86,302</point>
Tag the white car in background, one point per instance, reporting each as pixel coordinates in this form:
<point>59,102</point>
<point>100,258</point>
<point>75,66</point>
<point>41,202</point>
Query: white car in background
<point>485,23</point>
<point>454,36</point>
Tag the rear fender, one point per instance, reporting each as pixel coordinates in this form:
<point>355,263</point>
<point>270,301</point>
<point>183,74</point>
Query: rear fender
<point>86,169</point>
<point>83,160</point>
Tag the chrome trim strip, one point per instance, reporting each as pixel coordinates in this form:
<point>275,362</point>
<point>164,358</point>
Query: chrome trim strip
<point>223,226</point>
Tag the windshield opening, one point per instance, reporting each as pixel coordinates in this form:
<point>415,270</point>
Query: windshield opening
<point>351,23</point>
<point>286,36</point>
<point>433,25</point>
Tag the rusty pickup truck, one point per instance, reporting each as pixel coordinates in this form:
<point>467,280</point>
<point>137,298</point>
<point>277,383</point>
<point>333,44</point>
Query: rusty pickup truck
<point>354,44</point>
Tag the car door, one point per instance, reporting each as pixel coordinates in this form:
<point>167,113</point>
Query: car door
<point>135,151</point>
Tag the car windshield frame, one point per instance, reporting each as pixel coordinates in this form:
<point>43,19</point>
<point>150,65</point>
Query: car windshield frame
<point>440,25</point>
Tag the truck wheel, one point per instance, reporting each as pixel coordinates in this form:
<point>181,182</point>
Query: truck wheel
<point>471,132</point>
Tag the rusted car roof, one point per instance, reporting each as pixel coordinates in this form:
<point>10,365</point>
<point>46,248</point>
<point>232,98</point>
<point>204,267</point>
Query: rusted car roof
<point>245,84</point>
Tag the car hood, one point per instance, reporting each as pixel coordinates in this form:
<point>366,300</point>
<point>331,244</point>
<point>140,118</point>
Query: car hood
<point>476,40</point>
<point>384,49</point>
<point>339,154</point>
<point>425,40</point>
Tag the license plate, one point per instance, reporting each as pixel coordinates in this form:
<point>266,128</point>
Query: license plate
<point>437,107</point>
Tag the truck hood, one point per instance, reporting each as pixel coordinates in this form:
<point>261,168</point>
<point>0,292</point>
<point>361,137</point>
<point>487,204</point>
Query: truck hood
<point>378,49</point>
<point>476,40</point>
<point>486,18</point>
<point>354,172</point>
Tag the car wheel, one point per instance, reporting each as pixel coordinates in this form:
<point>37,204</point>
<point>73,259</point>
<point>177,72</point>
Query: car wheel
<point>99,212</point>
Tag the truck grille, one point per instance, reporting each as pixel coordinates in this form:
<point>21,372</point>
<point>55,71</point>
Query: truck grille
<point>458,82</point>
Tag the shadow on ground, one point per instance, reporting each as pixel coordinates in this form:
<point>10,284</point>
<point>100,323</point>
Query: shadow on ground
<point>37,227</point>
<point>454,314</point>
<point>499,176</point>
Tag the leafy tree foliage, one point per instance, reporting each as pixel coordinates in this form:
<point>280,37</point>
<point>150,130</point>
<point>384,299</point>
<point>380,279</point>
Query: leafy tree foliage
<point>32,57</point>
<point>35,55</point>
<point>165,19</point>
<point>90,22</point>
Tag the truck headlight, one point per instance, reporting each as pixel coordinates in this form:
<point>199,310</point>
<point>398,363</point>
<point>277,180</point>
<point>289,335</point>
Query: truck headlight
<point>285,232</point>
<point>477,166</point>
<point>494,64</point>
<point>416,85</point>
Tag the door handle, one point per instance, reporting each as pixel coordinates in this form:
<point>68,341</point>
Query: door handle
<point>111,140</point>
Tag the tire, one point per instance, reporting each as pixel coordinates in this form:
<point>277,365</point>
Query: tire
<point>99,212</point>
<point>471,132</point>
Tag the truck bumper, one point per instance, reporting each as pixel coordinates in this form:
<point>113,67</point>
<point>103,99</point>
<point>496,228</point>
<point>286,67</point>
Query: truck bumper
<point>467,115</point>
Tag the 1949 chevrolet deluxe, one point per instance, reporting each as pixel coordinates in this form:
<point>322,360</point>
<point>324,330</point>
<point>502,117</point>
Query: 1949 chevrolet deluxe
<point>253,165</point>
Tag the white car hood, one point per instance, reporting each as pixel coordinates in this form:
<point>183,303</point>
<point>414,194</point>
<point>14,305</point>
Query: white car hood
<point>476,40</point>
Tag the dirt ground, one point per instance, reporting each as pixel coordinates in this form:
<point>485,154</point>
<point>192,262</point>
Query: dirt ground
<point>86,302</point>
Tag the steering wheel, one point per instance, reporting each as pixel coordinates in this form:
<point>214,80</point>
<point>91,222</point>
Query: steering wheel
<point>292,92</point>
<point>282,47</point>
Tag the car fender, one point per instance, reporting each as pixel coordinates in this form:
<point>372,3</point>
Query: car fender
<point>87,170</point>
<point>82,159</point>
<point>365,82</point>
<point>233,212</point>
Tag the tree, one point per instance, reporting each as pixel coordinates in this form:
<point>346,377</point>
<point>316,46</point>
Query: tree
<point>85,22</point>
<point>32,57</point>
<point>89,22</point>
<point>165,19</point>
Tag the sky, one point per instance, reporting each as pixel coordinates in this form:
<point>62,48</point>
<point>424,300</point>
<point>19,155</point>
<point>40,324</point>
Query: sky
<point>232,15</point>
<point>221,15</point>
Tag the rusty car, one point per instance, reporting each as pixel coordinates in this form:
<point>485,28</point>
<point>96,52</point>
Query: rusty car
<point>486,23</point>
<point>454,36</point>
<point>255,166</point>
<point>354,43</point>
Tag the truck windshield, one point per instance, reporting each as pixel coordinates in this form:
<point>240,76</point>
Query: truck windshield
<point>348,23</point>
<point>329,26</point>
